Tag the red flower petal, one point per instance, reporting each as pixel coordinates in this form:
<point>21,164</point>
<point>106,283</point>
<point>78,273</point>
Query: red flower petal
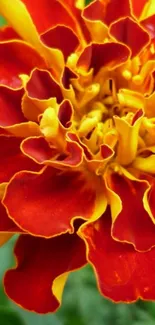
<point>38,149</point>
<point>133,224</point>
<point>123,274</point>
<point>65,113</point>
<point>6,224</point>
<point>17,58</point>
<point>149,24</point>
<point>10,107</point>
<point>40,262</point>
<point>107,11</point>
<point>138,6</point>
<point>98,55</point>
<point>42,86</point>
<point>12,159</point>
<point>67,75</point>
<point>62,38</point>
<point>53,197</point>
<point>46,14</point>
<point>124,29</point>
<point>151,194</point>
<point>8,33</point>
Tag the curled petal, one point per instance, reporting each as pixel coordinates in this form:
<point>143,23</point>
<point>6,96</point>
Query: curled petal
<point>124,29</point>
<point>42,268</point>
<point>133,224</point>
<point>62,38</point>
<point>145,79</point>
<point>39,150</point>
<point>128,134</point>
<point>99,162</point>
<point>67,76</point>
<point>55,198</point>
<point>97,56</point>
<point>42,86</point>
<point>93,15</point>
<point>32,108</point>
<point>122,272</point>
<point>17,57</point>
<point>65,114</point>
<point>55,125</point>
<point>146,164</point>
<point>25,129</point>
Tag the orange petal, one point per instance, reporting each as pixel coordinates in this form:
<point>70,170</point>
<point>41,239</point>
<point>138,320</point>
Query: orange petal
<point>128,133</point>
<point>55,198</point>
<point>42,268</point>
<point>23,130</point>
<point>123,274</point>
<point>124,29</point>
<point>54,124</point>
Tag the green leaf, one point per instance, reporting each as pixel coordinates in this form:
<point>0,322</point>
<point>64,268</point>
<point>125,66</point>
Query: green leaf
<point>10,317</point>
<point>88,1</point>
<point>2,21</point>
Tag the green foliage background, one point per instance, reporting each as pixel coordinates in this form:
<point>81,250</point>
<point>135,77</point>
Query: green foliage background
<point>82,303</point>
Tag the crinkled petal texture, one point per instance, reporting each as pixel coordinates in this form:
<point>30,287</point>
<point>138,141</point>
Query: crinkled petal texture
<point>133,224</point>
<point>121,271</point>
<point>77,146</point>
<point>47,196</point>
<point>42,268</point>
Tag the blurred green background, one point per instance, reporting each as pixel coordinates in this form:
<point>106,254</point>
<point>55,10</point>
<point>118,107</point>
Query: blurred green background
<point>82,303</point>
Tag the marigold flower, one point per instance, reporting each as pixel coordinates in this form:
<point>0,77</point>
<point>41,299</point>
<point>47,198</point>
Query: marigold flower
<point>77,139</point>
